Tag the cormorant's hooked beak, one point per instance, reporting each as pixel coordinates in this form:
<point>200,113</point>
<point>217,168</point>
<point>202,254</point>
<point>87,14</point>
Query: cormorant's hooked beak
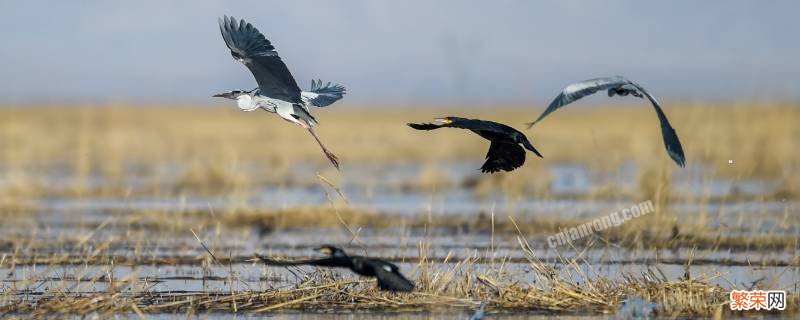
<point>527,144</point>
<point>443,121</point>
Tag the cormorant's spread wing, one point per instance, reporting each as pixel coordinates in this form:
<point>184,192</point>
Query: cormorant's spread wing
<point>322,96</point>
<point>250,47</point>
<point>503,156</point>
<point>579,90</point>
<point>481,125</point>
<point>323,262</point>
<point>389,278</point>
<point>671,141</point>
<point>505,153</point>
<point>469,124</point>
<point>424,126</point>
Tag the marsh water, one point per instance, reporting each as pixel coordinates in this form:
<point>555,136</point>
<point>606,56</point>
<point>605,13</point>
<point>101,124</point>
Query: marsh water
<point>155,260</point>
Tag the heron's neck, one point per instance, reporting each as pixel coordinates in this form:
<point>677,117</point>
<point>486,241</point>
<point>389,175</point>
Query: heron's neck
<point>245,102</point>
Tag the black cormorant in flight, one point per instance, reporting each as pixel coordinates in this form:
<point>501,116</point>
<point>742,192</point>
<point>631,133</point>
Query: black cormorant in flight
<point>619,86</point>
<point>388,275</point>
<point>277,91</point>
<point>505,152</point>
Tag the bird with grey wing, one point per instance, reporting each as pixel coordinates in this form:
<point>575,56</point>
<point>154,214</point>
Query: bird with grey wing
<point>277,91</point>
<point>618,85</point>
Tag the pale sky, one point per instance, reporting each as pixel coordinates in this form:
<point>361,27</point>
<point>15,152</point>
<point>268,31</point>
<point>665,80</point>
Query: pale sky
<point>391,52</point>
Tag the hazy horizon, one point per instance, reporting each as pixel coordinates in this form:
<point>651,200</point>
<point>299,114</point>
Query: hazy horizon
<point>444,52</point>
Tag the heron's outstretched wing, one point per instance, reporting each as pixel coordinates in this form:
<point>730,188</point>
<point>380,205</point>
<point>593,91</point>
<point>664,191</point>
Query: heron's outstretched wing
<point>323,262</point>
<point>671,141</point>
<point>503,156</point>
<point>389,278</point>
<point>579,90</point>
<point>322,96</point>
<point>250,47</point>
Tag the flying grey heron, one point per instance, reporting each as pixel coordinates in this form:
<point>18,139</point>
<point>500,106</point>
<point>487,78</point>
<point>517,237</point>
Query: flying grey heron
<point>277,91</point>
<point>505,152</point>
<point>618,85</point>
<point>388,275</point>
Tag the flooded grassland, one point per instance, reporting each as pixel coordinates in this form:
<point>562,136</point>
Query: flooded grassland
<point>151,210</point>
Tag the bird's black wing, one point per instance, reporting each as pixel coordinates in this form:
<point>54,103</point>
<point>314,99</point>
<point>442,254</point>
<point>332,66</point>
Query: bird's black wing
<point>424,126</point>
<point>469,124</point>
<point>671,141</point>
<point>482,125</point>
<point>323,262</point>
<point>579,90</point>
<point>503,156</point>
<point>250,47</point>
<point>389,277</point>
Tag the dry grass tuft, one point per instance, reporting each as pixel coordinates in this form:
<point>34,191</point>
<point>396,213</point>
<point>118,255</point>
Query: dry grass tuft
<point>458,284</point>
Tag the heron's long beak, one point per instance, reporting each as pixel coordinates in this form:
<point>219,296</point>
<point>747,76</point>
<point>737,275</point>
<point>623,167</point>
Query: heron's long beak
<point>221,95</point>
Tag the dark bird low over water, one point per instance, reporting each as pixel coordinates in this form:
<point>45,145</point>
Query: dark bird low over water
<point>388,275</point>
<point>619,86</point>
<point>506,149</point>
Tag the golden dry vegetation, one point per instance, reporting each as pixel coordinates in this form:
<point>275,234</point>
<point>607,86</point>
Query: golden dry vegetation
<point>224,152</point>
<point>222,148</point>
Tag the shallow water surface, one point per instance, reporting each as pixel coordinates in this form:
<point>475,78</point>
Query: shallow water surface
<point>170,260</point>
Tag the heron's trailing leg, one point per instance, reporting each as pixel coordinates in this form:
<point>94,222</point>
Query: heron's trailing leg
<point>332,157</point>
